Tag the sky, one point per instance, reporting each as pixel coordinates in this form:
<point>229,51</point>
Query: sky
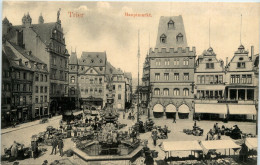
<point>104,26</point>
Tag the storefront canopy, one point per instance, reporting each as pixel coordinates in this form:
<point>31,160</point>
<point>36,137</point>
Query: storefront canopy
<point>181,146</point>
<point>242,109</point>
<point>184,109</point>
<point>251,143</point>
<point>158,108</point>
<point>219,144</point>
<point>170,108</point>
<point>211,108</point>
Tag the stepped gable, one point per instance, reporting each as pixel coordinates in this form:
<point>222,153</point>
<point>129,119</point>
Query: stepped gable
<point>171,28</point>
<point>93,59</point>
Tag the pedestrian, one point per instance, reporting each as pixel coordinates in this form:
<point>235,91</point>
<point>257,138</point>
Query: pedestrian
<point>174,119</point>
<point>60,146</point>
<point>195,124</point>
<point>14,150</point>
<point>124,115</point>
<point>166,131</point>
<point>54,145</point>
<point>154,137</point>
<point>34,145</point>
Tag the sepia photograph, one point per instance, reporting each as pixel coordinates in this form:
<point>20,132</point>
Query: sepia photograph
<point>129,83</point>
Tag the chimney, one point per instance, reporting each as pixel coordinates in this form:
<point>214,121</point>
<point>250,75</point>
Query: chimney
<point>252,52</point>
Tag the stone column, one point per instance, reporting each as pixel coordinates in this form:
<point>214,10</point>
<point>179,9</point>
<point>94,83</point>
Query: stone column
<point>237,95</point>
<point>245,94</point>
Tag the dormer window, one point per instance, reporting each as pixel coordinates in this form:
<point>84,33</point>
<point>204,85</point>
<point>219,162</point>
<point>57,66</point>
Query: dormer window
<point>82,68</point>
<point>241,58</point>
<point>97,55</point>
<point>91,71</point>
<point>100,61</point>
<point>163,38</point>
<point>241,65</point>
<point>92,61</point>
<point>111,70</point>
<point>210,59</point>
<point>171,24</point>
<point>26,63</point>
<point>100,68</point>
<point>179,37</point>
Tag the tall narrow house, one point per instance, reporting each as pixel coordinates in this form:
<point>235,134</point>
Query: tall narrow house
<point>172,65</point>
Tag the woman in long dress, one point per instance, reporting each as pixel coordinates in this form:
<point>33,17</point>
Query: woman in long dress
<point>14,150</point>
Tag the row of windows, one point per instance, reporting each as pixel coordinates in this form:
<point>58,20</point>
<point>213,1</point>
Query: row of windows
<point>210,79</point>
<point>22,87</point>
<point>42,89</point>
<point>176,61</point>
<point>241,79</point>
<point>163,38</point>
<point>91,90</point>
<point>175,76</point>
<point>6,74</point>
<point>58,89</point>
<point>41,77</point>
<point>22,75</point>
<point>209,94</point>
<point>41,99</point>
<point>176,92</point>
<point>21,100</point>
<point>88,80</point>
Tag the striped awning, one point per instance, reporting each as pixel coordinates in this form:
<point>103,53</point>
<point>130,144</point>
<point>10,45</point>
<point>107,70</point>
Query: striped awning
<point>184,109</point>
<point>158,108</point>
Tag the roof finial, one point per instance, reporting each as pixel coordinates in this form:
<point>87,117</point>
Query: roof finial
<point>241,30</point>
<point>209,32</point>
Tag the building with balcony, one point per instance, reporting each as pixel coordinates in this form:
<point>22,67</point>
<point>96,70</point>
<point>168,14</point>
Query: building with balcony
<point>172,66</point>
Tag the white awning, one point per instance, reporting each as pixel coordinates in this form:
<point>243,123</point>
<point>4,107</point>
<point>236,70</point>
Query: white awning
<point>158,108</point>
<point>181,146</point>
<point>242,109</point>
<point>218,144</point>
<point>251,143</point>
<point>211,108</point>
<point>170,108</point>
<point>184,109</point>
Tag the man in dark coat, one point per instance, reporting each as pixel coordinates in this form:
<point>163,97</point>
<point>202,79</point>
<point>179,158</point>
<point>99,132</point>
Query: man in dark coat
<point>34,145</point>
<point>60,146</point>
<point>54,145</point>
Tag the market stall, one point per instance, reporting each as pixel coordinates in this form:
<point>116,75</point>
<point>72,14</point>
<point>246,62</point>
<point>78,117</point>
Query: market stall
<point>169,146</point>
<point>210,147</point>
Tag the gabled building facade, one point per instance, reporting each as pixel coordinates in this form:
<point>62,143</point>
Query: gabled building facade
<point>172,66</point>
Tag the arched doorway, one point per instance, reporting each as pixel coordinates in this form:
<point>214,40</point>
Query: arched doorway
<point>170,111</point>
<point>183,111</point>
<point>158,111</point>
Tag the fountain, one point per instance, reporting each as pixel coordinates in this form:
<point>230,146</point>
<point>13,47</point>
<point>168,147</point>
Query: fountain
<point>109,144</point>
